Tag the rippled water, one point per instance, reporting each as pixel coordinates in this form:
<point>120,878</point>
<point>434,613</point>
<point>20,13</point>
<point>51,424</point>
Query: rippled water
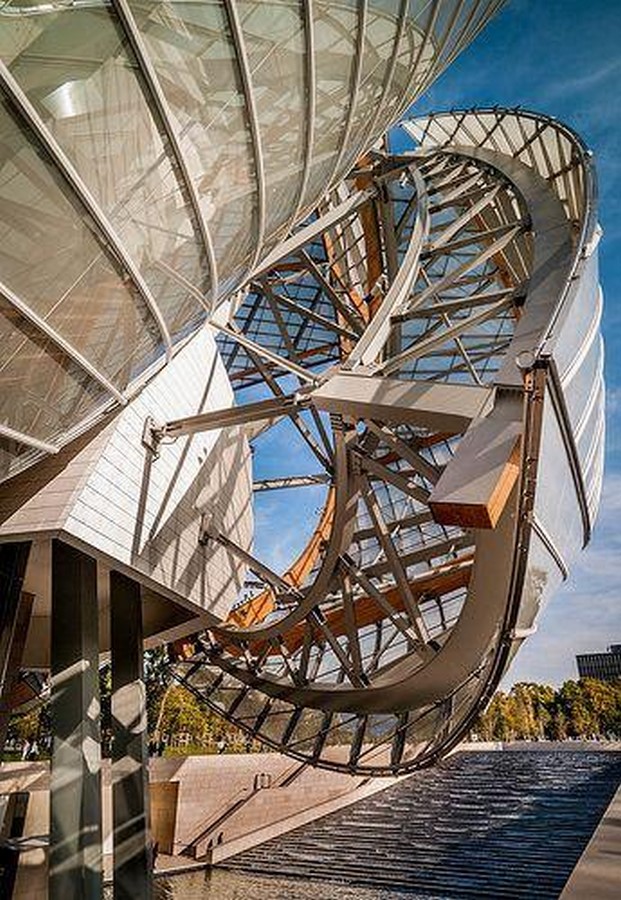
<point>220,884</point>
<point>482,825</point>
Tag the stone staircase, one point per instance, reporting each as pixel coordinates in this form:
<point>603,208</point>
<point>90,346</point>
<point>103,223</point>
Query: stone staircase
<point>480,824</point>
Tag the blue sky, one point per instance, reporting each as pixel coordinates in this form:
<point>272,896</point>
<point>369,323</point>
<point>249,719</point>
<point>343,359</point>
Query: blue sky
<point>563,57</point>
<point>559,57</point>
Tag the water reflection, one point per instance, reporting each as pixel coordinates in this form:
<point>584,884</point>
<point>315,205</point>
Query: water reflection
<point>220,884</point>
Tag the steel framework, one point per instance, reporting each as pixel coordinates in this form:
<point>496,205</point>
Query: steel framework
<point>166,159</point>
<point>415,336</point>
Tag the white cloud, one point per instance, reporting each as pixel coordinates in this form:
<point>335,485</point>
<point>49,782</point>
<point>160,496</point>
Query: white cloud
<point>590,80</point>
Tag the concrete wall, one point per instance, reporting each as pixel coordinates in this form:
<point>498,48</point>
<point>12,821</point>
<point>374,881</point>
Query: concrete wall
<point>210,786</point>
<point>188,793</point>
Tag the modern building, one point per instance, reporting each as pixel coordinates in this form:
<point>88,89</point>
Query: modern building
<point>605,666</point>
<point>325,418</point>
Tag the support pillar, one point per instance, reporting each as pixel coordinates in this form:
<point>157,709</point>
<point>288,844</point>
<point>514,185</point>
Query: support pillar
<point>13,561</point>
<point>75,786</point>
<point>130,774</point>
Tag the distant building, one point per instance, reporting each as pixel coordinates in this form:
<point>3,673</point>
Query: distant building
<point>606,666</point>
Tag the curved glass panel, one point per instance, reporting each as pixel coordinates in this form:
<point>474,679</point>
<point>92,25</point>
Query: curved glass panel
<point>192,49</point>
<point>57,266</point>
<point>197,133</point>
<point>95,106</point>
<point>53,391</point>
<point>335,33</point>
<point>580,315</point>
<point>556,503</point>
<point>275,45</point>
<point>543,577</point>
<point>379,37</point>
<point>593,457</point>
<point>578,389</point>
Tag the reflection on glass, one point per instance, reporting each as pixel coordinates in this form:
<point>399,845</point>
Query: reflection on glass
<point>99,111</point>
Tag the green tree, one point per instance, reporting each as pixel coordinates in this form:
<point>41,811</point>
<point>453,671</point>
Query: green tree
<point>158,682</point>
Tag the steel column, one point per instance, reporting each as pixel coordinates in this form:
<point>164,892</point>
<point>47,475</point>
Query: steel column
<point>130,789</point>
<point>75,788</point>
<point>13,561</point>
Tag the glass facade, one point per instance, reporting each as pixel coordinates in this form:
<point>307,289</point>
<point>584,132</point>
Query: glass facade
<point>153,153</point>
<point>154,156</point>
<point>606,666</point>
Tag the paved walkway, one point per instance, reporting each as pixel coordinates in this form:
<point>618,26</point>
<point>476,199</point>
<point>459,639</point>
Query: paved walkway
<point>597,875</point>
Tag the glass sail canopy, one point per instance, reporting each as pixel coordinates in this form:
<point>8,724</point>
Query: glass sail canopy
<point>154,153</point>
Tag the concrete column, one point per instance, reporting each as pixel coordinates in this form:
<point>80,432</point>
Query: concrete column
<point>75,788</point>
<point>130,788</point>
<point>13,561</point>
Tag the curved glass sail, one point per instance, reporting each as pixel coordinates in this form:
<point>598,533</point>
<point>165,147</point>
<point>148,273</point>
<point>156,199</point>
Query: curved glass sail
<point>154,153</point>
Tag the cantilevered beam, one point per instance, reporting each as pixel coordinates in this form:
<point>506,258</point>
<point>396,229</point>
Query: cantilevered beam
<point>277,360</point>
<point>439,407</point>
<point>268,575</point>
<point>478,480</point>
<point>307,313</point>
<point>260,411</point>
<point>308,234</point>
<point>291,481</point>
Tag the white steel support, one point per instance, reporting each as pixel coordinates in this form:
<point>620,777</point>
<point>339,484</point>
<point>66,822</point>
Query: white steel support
<point>377,332</point>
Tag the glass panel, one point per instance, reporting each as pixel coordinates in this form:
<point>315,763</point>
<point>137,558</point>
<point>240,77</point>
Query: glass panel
<point>336,29</point>
<point>556,504</point>
<point>42,393</point>
<point>276,723</point>
<point>585,307</point>
<point>543,577</point>
<point>577,391</point>
<point>417,19</point>
<point>593,459</point>
<point>379,41</point>
<point>15,456</point>
<point>192,49</point>
<point>94,104</point>
<point>425,51</point>
<point>589,421</point>
<point>275,44</point>
<point>54,263</point>
<point>596,476</point>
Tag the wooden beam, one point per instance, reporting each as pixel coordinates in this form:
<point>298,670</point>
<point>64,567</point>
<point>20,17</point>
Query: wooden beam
<point>477,482</point>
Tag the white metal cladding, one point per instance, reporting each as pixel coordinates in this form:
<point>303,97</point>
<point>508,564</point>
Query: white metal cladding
<point>155,152</point>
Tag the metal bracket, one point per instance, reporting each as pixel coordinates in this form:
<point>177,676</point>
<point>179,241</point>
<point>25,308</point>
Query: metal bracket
<point>151,436</point>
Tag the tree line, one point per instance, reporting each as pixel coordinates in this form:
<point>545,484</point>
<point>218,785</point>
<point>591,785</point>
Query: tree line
<point>180,723</point>
<point>588,708</point>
